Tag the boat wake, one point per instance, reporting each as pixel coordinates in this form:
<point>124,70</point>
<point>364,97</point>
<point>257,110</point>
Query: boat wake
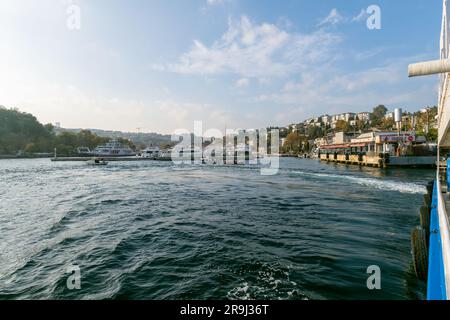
<point>385,185</point>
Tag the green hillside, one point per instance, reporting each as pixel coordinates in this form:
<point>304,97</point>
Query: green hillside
<point>22,133</point>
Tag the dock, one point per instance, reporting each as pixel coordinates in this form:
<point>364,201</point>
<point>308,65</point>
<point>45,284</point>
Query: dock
<point>111,159</point>
<point>379,162</point>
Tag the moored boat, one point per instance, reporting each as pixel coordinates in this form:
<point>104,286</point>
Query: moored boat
<point>113,149</point>
<point>151,152</point>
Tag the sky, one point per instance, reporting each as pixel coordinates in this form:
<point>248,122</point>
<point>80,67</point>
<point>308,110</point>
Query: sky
<point>160,65</point>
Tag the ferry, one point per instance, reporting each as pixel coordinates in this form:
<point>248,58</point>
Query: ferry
<point>431,240</point>
<point>113,149</point>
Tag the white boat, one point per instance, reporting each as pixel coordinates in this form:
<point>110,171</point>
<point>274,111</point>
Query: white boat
<point>151,152</point>
<point>165,153</point>
<point>84,151</point>
<point>97,162</point>
<point>113,149</point>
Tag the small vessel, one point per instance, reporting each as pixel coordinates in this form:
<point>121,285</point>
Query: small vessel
<point>97,162</point>
<point>151,152</point>
<point>113,149</point>
<point>84,152</point>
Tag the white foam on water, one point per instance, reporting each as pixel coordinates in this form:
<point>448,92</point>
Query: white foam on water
<point>386,185</point>
<point>240,292</point>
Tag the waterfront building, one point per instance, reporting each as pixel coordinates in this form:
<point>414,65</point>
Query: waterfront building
<point>379,148</point>
<point>340,137</point>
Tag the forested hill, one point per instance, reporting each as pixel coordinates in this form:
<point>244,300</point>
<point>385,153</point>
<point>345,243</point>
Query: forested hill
<point>140,139</point>
<point>22,133</point>
<point>19,131</point>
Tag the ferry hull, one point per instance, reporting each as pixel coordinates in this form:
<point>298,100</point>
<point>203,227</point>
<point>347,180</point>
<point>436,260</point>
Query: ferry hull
<point>438,280</point>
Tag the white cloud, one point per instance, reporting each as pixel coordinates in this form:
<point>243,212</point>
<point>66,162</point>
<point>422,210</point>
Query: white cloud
<point>361,16</point>
<point>74,107</point>
<point>215,2</point>
<point>334,17</point>
<point>331,90</point>
<point>241,83</point>
<point>256,51</point>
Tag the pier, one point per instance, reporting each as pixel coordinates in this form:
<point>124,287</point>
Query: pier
<point>58,159</point>
<point>380,161</point>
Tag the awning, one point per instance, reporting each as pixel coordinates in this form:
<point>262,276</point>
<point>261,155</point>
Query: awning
<point>335,146</point>
<point>343,146</point>
<point>355,145</point>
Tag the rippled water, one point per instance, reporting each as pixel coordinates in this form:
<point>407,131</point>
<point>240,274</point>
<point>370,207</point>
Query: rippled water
<point>152,230</point>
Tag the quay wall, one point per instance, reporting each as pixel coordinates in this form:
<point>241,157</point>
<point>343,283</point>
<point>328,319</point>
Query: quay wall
<point>376,161</point>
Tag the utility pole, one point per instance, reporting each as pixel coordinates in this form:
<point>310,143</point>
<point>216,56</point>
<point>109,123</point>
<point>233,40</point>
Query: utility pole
<point>398,113</point>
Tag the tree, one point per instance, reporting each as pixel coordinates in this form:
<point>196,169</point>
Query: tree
<point>30,148</point>
<point>21,131</point>
<point>377,115</point>
<point>49,127</point>
<point>361,125</point>
<point>343,126</point>
<point>387,124</point>
<point>17,129</point>
<point>295,143</point>
<point>315,132</point>
<point>426,121</point>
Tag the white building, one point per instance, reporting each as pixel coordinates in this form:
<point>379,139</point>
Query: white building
<point>326,119</point>
<point>363,116</point>
<point>389,115</point>
<point>349,115</point>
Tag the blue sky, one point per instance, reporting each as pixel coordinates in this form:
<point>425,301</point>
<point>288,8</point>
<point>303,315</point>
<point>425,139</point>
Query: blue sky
<point>161,65</point>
